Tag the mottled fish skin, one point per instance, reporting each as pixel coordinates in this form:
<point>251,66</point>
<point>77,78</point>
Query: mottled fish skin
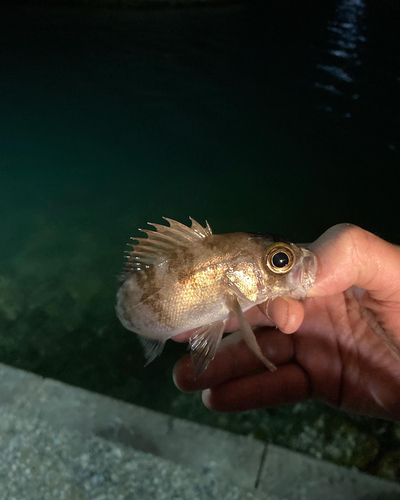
<point>180,278</point>
<point>186,290</point>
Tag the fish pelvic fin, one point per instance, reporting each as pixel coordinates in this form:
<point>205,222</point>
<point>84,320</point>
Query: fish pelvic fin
<point>161,243</point>
<point>246,331</point>
<point>204,344</point>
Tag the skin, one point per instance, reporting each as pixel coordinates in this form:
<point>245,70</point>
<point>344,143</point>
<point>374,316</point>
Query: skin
<point>342,346</point>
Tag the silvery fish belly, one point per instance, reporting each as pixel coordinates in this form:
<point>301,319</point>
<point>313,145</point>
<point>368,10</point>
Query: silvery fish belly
<point>182,278</point>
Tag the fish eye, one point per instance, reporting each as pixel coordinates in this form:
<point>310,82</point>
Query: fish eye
<point>280,259</point>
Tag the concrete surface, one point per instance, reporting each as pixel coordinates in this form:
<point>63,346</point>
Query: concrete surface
<point>61,442</point>
<point>294,476</point>
<point>38,462</point>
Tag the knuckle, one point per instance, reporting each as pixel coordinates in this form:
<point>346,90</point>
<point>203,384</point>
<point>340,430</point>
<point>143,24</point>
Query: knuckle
<point>348,232</point>
<point>351,240</point>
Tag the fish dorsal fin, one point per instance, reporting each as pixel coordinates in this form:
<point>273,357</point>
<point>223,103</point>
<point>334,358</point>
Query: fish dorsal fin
<point>159,244</point>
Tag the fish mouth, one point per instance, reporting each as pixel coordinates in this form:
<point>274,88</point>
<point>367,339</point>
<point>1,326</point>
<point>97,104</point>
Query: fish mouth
<point>309,269</point>
<point>304,273</point>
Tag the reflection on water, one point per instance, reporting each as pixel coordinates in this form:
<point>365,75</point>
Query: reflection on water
<point>346,40</point>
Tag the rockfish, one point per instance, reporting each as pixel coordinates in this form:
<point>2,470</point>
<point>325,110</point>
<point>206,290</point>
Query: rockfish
<point>181,278</point>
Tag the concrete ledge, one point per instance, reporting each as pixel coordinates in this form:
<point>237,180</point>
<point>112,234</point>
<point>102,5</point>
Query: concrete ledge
<point>43,406</point>
<point>38,462</point>
<point>198,447</point>
<point>297,477</point>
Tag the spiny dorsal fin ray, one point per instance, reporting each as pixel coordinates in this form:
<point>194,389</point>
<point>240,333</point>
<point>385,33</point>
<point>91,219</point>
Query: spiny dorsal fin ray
<point>152,244</point>
<point>200,230</point>
<point>181,228</point>
<point>156,236</point>
<point>160,243</point>
<point>177,234</point>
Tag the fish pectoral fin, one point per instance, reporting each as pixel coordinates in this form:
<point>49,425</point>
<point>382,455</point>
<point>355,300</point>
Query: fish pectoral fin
<point>151,347</point>
<point>204,344</point>
<point>234,289</point>
<point>247,332</point>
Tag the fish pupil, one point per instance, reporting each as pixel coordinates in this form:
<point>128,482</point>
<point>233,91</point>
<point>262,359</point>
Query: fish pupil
<point>280,259</point>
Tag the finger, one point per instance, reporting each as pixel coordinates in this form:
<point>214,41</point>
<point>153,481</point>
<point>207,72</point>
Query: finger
<point>285,312</point>
<point>233,360</point>
<point>288,384</point>
<point>349,255</point>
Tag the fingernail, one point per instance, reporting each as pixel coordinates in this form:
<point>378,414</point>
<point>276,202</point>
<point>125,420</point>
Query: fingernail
<point>182,371</point>
<point>174,378</point>
<point>267,313</point>
<point>284,312</point>
<point>206,397</point>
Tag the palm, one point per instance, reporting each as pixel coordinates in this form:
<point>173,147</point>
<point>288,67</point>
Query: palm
<point>345,359</point>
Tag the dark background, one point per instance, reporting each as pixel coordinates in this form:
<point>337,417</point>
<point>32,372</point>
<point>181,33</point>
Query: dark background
<point>265,116</point>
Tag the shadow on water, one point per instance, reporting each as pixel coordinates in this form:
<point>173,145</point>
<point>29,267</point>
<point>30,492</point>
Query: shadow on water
<point>278,118</point>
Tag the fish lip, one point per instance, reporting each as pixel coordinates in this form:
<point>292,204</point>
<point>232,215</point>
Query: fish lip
<point>303,275</point>
<point>309,269</point>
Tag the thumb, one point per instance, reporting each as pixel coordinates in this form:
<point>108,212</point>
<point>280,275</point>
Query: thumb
<point>348,255</point>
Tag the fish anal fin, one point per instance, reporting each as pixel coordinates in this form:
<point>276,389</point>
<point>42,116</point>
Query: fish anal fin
<point>246,331</point>
<point>151,347</point>
<point>204,344</point>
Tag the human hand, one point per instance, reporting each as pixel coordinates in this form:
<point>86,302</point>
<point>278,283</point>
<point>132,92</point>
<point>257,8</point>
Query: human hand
<point>344,346</point>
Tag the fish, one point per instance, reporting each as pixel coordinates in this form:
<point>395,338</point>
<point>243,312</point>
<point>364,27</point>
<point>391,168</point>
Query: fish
<point>179,278</point>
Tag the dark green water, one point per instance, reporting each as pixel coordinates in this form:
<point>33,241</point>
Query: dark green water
<point>281,119</point>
